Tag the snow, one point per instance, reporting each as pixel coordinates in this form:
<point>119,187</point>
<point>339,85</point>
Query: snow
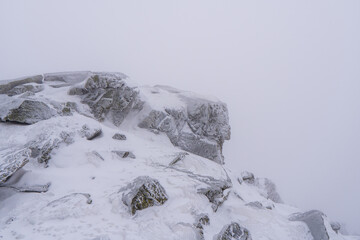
<point>90,167</point>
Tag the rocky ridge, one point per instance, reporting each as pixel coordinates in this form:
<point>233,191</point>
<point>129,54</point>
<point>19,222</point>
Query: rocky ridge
<point>89,155</point>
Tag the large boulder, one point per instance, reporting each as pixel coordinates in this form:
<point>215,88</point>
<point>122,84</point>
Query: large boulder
<point>314,219</point>
<point>25,111</point>
<point>142,193</point>
<point>108,95</point>
<point>198,125</point>
<point>233,231</point>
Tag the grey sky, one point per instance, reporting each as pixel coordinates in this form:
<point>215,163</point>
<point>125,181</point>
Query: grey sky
<point>288,70</point>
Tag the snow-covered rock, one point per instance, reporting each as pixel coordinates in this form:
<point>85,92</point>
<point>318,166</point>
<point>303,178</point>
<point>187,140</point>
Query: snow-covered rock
<point>142,193</point>
<point>233,231</point>
<point>56,184</point>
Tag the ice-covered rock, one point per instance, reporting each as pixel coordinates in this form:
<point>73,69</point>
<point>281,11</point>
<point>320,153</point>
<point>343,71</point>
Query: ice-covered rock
<point>12,162</point>
<point>217,193</point>
<point>7,86</point>
<point>201,221</point>
<point>233,231</point>
<point>248,177</point>
<point>335,226</point>
<point>90,133</point>
<point>119,136</point>
<point>199,125</point>
<point>108,95</point>
<point>124,154</point>
<point>25,111</point>
<point>269,189</point>
<point>32,88</point>
<point>142,193</point>
<point>314,219</point>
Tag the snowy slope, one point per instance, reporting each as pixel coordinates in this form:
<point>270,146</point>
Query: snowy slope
<point>82,181</point>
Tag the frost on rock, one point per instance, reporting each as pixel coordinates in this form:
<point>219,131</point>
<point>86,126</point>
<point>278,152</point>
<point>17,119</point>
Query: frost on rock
<point>269,189</point>
<point>58,80</point>
<point>124,154</point>
<point>217,193</point>
<point>201,221</point>
<point>335,226</point>
<point>90,133</point>
<point>73,205</point>
<point>255,204</point>
<point>200,126</point>
<point>248,177</point>
<point>142,193</point>
<point>26,111</point>
<point>119,136</point>
<point>233,231</point>
<point>108,95</point>
<point>31,88</point>
<point>12,162</point>
<point>266,186</point>
<point>43,145</point>
<point>314,219</point>
<point>7,86</point>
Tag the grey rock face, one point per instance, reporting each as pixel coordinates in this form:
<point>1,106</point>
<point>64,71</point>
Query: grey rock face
<point>108,95</point>
<point>233,231</point>
<point>142,193</point>
<point>9,85</point>
<point>12,162</point>
<point>200,128</point>
<point>27,111</point>
<point>315,222</point>
<point>119,136</point>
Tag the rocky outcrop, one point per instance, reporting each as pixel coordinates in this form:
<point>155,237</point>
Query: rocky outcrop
<point>12,162</point>
<point>314,219</point>
<point>200,126</point>
<point>31,88</point>
<point>7,86</point>
<point>142,193</point>
<point>26,111</point>
<point>65,79</point>
<point>108,95</point>
<point>233,231</point>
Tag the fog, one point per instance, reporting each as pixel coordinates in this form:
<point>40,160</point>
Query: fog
<point>288,70</point>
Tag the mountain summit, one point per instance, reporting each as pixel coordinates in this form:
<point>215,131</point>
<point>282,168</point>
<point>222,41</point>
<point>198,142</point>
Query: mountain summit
<point>90,155</point>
